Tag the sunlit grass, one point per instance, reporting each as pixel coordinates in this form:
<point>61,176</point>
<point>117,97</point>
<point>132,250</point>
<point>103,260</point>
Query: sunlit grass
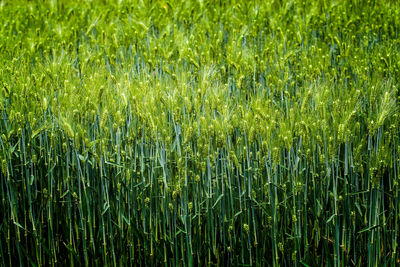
<point>199,132</point>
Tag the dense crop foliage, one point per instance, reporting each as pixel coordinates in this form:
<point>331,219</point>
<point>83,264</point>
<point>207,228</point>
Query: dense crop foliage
<point>199,132</point>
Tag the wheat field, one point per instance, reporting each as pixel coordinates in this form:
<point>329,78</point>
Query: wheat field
<point>199,133</point>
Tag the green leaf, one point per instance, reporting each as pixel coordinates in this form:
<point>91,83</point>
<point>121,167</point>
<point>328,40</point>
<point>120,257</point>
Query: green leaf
<point>20,226</point>
<point>218,199</point>
<point>330,218</point>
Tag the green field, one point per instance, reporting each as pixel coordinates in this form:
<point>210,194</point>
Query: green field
<point>193,133</point>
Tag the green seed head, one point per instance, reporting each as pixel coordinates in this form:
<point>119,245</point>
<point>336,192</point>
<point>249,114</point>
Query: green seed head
<point>246,228</point>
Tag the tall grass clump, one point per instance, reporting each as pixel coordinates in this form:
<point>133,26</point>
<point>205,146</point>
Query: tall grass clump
<point>199,133</point>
